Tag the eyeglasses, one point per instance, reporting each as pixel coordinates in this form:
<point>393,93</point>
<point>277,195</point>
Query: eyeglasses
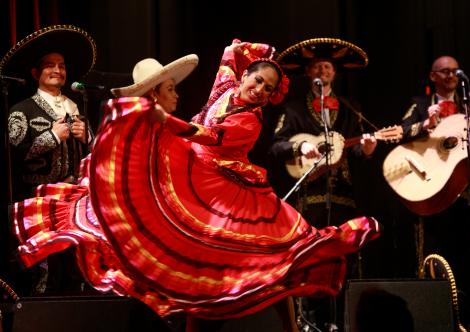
<point>446,71</point>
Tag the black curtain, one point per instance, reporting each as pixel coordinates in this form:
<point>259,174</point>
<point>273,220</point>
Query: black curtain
<point>401,39</point>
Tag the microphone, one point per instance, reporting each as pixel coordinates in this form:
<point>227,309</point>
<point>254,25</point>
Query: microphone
<point>15,79</point>
<point>82,87</point>
<point>317,81</point>
<point>460,74</point>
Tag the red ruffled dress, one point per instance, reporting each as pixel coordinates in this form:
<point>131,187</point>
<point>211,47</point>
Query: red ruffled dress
<point>177,216</point>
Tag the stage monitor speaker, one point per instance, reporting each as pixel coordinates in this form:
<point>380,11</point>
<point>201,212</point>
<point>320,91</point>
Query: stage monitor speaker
<point>417,305</point>
<point>82,313</point>
<point>263,320</point>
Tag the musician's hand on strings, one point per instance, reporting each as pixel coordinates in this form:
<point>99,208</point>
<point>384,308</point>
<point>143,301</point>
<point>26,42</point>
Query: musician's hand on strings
<point>368,144</point>
<point>433,117</point>
<point>309,150</point>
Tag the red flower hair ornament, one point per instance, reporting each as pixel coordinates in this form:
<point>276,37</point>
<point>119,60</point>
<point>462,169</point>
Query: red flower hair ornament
<point>282,88</point>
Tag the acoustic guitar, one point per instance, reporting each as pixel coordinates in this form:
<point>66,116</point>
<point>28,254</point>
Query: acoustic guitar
<point>335,148</point>
<point>429,173</point>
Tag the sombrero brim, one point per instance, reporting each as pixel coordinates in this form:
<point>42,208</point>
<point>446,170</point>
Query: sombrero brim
<point>77,47</point>
<point>342,53</point>
<point>177,70</point>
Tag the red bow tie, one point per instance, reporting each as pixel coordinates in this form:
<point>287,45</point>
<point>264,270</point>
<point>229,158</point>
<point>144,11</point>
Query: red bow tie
<point>446,108</point>
<point>328,102</point>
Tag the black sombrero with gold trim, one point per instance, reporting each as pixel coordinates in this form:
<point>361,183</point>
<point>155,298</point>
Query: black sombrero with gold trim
<point>342,53</point>
<point>77,47</point>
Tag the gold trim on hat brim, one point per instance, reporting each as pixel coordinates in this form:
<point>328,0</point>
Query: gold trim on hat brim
<point>344,54</point>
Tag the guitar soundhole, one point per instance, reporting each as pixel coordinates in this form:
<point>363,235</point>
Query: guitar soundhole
<point>450,142</point>
<point>323,147</point>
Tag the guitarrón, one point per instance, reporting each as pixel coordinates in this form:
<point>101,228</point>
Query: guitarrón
<point>429,173</point>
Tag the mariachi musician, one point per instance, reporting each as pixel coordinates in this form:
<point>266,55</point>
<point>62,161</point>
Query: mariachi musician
<point>325,199</point>
<point>320,58</point>
<point>444,222</point>
<point>48,136</point>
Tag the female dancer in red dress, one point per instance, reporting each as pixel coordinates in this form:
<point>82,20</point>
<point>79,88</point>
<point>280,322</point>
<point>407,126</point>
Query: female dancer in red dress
<point>179,218</point>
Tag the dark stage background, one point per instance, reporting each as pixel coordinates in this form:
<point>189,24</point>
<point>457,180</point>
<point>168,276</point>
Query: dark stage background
<point>401,39</point>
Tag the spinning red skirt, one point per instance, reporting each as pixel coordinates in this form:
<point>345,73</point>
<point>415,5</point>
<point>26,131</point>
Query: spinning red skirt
<point>182,226</point>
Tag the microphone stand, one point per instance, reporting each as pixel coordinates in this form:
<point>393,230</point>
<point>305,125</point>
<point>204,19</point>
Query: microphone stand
<point>464,83</point>
<point>358,113</point>
<point>296,186</point>
<point>18,80</point>
<point>6,142</point>
<point>85,114</point>
<point>331,326</point>
<point>326,130</point>
<point>6,247</point>
<point>84,94</point>
<point>304,176</point>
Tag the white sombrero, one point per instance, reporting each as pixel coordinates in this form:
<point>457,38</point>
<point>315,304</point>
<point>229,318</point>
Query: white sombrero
<point>148,73</point>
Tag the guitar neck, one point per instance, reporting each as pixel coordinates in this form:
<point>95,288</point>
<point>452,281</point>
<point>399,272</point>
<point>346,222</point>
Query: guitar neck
<point>352,141</point>
<point>298,166</point>
<point>390,134</point>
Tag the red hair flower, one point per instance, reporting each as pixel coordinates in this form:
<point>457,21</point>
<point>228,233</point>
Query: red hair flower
<point>278,95</point>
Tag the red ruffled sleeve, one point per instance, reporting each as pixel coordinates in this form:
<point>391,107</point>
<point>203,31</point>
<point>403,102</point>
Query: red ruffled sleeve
<point>233,64</point>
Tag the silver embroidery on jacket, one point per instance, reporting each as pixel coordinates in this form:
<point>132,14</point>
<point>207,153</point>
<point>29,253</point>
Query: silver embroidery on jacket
<point>46,141</point>
<point>41,144</point>
<point>17,127</point>
<point>40,124</point>
<point>45,106</point>
<point>56,174</point>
